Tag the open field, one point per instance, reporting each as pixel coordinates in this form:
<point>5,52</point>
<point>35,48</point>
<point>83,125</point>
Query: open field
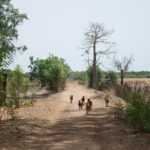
<point>136,80</point>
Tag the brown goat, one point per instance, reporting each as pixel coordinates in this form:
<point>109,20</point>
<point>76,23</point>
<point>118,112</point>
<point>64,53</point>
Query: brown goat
<point>88,107</point>
<point>107,100</point>
<point>71,98</point>
<point>80,104</point>
<point>90,103</point>
<point>83,99</point>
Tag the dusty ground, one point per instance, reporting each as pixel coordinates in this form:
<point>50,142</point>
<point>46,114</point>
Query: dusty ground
<point>56,124</point>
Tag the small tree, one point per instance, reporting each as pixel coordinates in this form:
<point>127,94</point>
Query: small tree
<point>123,65</point>
<point>15,85</point>
<point>25,86</point>
<point>55,73</point>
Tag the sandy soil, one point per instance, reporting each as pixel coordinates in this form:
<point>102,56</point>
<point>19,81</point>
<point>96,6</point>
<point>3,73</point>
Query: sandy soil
<point>57,124</point>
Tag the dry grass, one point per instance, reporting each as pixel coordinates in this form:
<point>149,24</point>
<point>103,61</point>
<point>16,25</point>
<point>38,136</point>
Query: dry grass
<point>136,80</point>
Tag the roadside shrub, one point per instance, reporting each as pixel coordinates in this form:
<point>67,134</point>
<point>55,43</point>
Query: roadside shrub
<point>90,75</point>
<point>136,113</point>
<point>51,72</point>
<point>113,76</point>
<point>82,78</point>
<point>17,84</point>
<point>73,75</point>
<point>25,86</point>
<point>102,85</point>
<point>31,100</point>
<point>119,111</point>
<point>10,108</point>
<point>33,95</point>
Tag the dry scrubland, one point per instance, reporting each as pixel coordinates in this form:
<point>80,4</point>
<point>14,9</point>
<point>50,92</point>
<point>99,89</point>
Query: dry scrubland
<point>53,123</point>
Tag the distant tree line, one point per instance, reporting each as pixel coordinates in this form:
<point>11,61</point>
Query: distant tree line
<point>130,74</point>
<point>136,74</point>
<point>86,77</point>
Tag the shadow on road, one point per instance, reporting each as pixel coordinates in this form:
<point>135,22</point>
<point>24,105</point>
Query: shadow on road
<point>93,131</point>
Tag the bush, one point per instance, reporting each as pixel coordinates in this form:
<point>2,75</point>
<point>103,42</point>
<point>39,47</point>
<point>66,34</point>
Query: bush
<point>102,85</point>
<point>17,84</point>
<point>113,76</point>
<point>25,86</point>
<point>82,78</point>
<point>119,111</point>
<point>51,72</point>
<point>90,75</point>
<point>136,113</point>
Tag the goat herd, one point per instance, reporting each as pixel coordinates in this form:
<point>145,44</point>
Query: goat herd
<point>88,104</point>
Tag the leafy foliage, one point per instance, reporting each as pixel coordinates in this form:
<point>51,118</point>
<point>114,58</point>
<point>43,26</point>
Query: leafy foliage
<point>10,19</point>
<point>25,86</point>
<point>136,112</point>
<point>90,75</point>
<point>17,84</point>
<point>51,72</point>
<point>82,78</point>
<point>113,76</point>
<point>102,85</point>
<point>74,75</point>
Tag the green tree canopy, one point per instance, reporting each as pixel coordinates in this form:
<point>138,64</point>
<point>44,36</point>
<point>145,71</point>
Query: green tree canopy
<point>90,75</point>
<point>51,72</point>
<point>113,76</point>
<point>10,19</point>
<point>82,77</point>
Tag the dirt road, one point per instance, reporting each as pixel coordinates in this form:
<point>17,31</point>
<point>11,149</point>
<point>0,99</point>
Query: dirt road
<point>68,128</point>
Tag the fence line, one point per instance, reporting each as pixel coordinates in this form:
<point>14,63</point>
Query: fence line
<point>126,89</point>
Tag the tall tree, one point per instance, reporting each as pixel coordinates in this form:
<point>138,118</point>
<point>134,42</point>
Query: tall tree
<point>10,19</point>
<point>123,65</point>
<point>96,34</point>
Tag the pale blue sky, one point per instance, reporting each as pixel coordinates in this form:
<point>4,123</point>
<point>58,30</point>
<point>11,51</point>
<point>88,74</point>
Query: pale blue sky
<point>57,27</point>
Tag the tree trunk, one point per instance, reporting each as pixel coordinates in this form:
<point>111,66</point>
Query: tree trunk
<point>121,77</point>
<point>94,67</point>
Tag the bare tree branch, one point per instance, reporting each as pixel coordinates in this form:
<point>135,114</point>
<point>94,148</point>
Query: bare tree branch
<point>123,66</point>
<point>87,60</point>
<point>96,34</point>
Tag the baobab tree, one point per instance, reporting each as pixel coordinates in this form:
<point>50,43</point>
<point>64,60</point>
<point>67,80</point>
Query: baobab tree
<point>96,34</point>
<point>123,65</point>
